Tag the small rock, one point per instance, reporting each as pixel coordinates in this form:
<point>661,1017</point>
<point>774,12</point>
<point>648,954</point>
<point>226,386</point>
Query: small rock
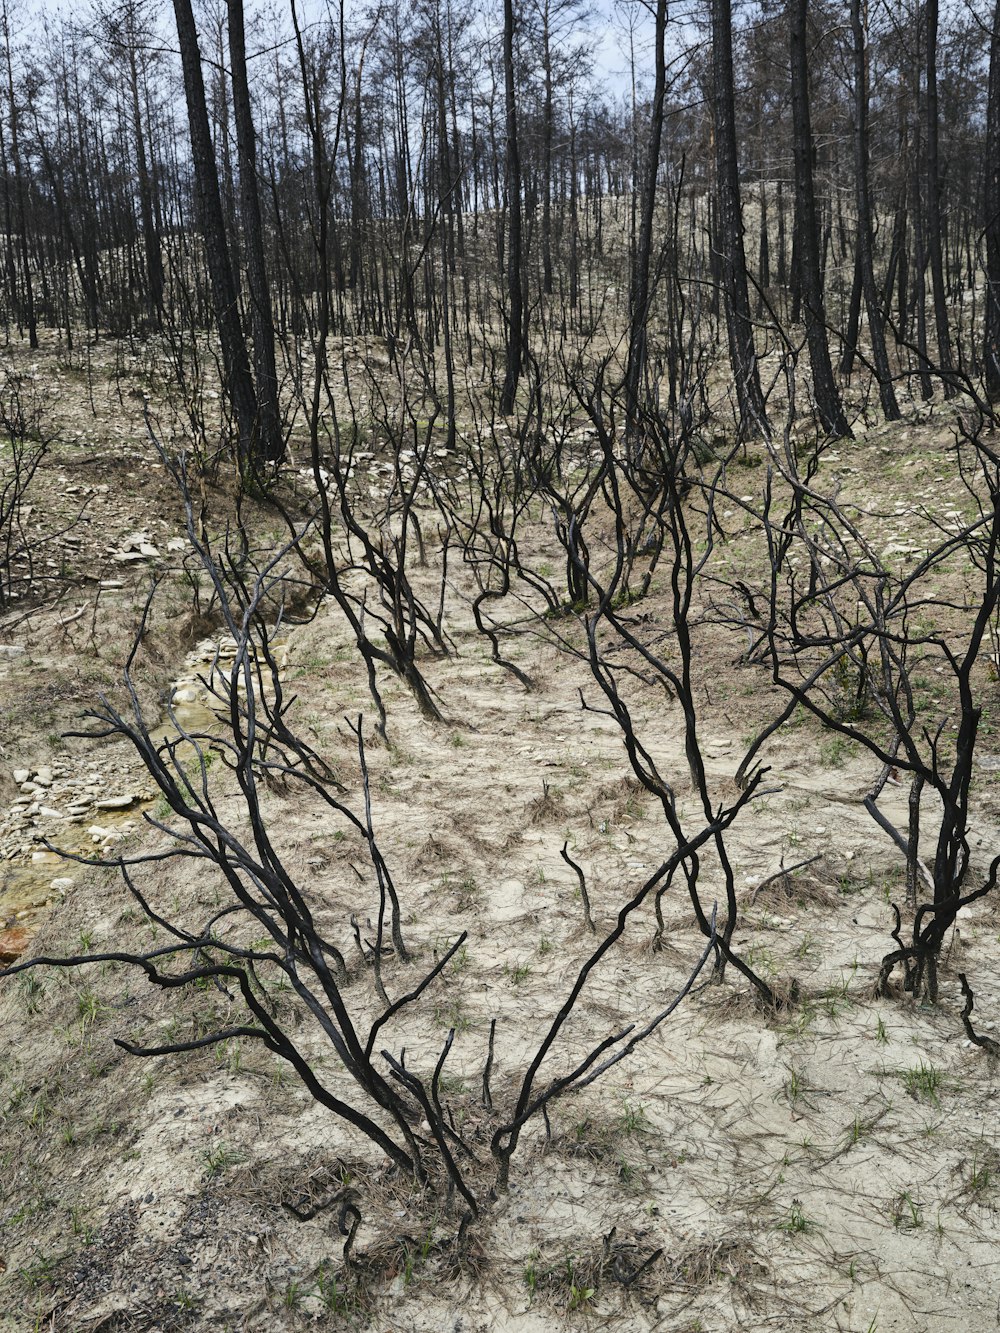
<point>12,944</point>
<point>115,803</point>
<point>139,543</point>
<point>21,775</point>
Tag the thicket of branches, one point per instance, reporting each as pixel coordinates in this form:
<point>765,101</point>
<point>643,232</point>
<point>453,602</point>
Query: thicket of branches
<point>466,181</point>
<point>427,237</point>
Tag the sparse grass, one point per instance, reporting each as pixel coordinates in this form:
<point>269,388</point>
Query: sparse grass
<point>332,1292</point>
<point>983,1169</point>
<point>516,972</point>
<point>906,1213</point>
<point>795,1089</point>
<point>292,1296</point>
<point>570,1284</point>
<point>761,959</point>
<point>32,990</point>
<point>88,1007</point>
<point>634,1119</point>
<point>465,887</point>
<point>451,1014</point>
<point>220,1158</point>
<point>923,1082</point>
<point>796,1222</point>
<point>229,1055</point>
<point>530,1274</point>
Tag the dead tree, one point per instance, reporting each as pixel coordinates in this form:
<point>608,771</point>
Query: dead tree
<point>236,364</point>
<point>835,629</point>
<point>263,934</point>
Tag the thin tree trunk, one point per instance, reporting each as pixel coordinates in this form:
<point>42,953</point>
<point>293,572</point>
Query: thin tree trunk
<point>236,364</point>
<point>742,353</point>
<point>547,134</point>
<point>828,403</point>
<point>15,156</point>
<point>515,290</point>
<point>269,440</point>
<point>640,295</point>
<point>876,328</point>
<point>151,239</point>
<point>991,340</point>
<point>933,189</point>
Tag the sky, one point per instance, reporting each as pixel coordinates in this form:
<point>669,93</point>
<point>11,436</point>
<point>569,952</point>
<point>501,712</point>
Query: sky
<point>608,26</point>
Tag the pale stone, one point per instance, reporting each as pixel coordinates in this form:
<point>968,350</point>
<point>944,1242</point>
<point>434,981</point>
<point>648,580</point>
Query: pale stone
<point>115,803</point>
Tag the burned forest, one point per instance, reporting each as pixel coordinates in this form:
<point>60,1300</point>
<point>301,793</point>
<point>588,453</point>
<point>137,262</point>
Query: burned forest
<point>499,666</point>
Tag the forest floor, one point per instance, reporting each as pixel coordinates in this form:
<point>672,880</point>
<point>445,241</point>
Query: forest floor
<point>836,1166</point>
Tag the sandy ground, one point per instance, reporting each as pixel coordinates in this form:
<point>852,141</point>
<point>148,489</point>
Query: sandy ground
<point>834,1167</point>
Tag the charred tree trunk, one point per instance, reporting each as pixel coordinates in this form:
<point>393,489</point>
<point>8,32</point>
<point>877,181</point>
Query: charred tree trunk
<point>742,352</point>
<point>640,294</point>
<point>515,289</point>
<point>876,322</point>
<point>828,403</point>
<point>991,340</point>
<point>25,307</point>
<point>933,190</point>
<point>269,442</point>
<point>150,234</point>
<point>236,364</point>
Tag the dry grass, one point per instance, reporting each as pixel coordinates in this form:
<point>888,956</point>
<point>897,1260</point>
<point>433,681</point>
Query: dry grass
<point>741,1170</point>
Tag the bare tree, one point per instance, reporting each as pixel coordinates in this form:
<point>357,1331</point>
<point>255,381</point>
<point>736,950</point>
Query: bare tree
<point>876,320</point>
<point>828,403</point>
<point>239,383</point>
<point>991,174</point>
<point>729,236</point>
<point>513,258</point>
<point>268,443</point>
